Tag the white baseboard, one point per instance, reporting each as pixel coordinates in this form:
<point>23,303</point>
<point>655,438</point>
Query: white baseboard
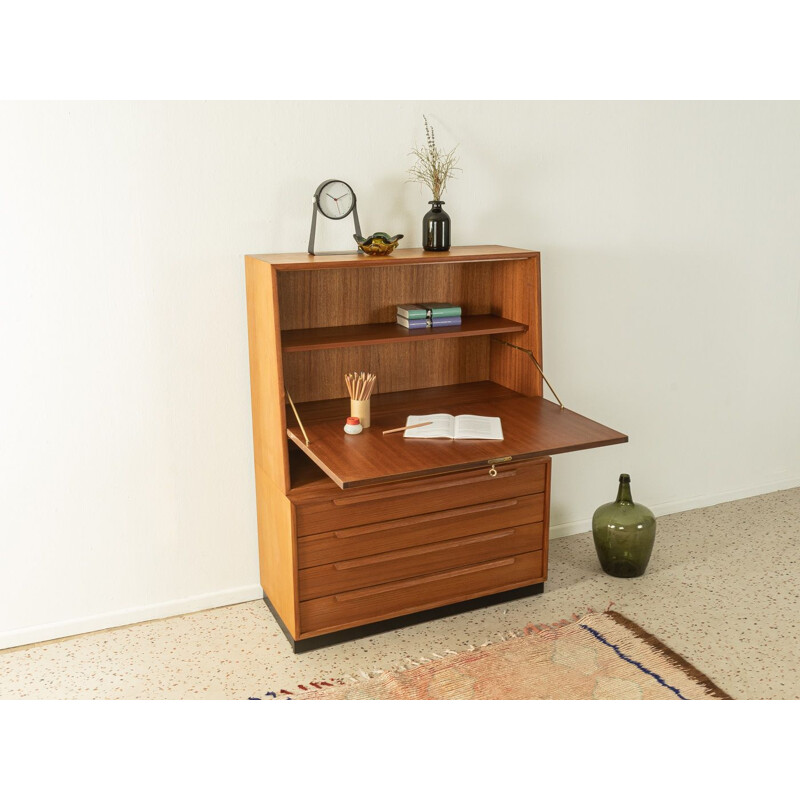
<point>674,506</point>
<point>128,616</point>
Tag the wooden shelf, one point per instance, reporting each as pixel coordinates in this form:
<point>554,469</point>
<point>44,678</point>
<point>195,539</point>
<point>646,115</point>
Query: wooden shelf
<point>532,427</point>
<point>391,332</point>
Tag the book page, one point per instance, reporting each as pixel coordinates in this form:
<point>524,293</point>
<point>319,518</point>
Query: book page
<point>441,427</point>
<point>468,426</point>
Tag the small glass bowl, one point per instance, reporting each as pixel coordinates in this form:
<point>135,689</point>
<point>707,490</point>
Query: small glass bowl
<point>378,244</point>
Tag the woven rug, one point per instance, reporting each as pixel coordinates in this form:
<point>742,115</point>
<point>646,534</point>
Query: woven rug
<point>599,656</point>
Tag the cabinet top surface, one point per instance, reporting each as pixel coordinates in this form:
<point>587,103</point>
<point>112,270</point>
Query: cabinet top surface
<point>410,255</point>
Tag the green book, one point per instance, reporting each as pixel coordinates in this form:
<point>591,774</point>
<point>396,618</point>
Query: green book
<point>412,312</point>
<point>442,309</point>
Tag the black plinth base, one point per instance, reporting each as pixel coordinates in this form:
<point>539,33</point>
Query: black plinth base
<point>348,635</point>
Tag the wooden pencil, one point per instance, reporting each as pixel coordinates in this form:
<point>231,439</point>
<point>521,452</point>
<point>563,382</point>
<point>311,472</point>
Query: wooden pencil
<point>408,427</point>
<point>360,384</point>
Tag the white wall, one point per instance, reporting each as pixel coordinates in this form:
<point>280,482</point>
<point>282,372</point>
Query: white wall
<point>671,288</point>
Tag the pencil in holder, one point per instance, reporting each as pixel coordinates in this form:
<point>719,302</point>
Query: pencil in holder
<point>359,387</point>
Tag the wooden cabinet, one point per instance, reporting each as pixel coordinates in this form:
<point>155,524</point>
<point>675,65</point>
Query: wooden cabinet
<point>359,533</point>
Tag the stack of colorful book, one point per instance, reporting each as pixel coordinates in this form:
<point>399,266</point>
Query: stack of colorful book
<point>428,315</point>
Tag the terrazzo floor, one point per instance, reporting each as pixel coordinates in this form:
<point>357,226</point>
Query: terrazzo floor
<point>721,589</point>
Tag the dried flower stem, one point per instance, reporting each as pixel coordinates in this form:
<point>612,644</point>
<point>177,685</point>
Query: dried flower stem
<point>433,167</point>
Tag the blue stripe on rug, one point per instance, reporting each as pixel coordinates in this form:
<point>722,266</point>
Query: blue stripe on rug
<point>622,655</point>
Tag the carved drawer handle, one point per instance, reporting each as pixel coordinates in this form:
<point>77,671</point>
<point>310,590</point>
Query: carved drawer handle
<point>414,552</point>
<point>441,576</point>
<point>404,492</point>
<point>362,530</point>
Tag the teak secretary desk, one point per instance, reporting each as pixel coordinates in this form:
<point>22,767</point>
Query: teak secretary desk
<point>362,533</point>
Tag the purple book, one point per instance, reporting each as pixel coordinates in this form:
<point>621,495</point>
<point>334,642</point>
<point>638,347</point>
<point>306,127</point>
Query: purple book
<point>412,324</point>
<point>442,322</point>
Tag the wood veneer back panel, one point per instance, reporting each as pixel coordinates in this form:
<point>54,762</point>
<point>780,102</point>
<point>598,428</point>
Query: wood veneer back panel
<point>360,296</point>
<point>319,374</point>
<point>353,296</point>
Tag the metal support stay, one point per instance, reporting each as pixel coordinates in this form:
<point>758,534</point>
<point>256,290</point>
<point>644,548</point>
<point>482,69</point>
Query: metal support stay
<point>536,363</point>
<point>297,416</point>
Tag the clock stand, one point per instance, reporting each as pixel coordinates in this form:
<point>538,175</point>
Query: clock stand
<point>324,207</point>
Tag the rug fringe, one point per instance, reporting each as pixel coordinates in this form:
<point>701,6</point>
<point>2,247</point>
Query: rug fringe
<point>677,661</point>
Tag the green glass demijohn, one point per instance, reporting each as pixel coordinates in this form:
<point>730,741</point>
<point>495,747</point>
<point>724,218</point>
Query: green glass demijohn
<point>624,533</point>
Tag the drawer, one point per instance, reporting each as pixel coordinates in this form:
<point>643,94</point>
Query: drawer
<point>346,609</point>
<point>352,507</point>
<point>356,573</point>
<point>397,534</point>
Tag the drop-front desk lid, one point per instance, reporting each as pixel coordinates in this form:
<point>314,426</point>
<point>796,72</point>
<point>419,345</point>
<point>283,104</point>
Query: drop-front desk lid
<point>532,427</point>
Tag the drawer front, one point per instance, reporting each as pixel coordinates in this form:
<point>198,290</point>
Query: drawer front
<point>420,496</point>
<point>392,599</point>
<point>357,573</point>
<point>397,534</point>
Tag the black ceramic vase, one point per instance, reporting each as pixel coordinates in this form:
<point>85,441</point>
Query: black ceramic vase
<point>624,533</point>
<point>436,228</point>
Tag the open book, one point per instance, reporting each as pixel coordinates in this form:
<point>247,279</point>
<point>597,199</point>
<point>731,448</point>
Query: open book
<point>446,426</point>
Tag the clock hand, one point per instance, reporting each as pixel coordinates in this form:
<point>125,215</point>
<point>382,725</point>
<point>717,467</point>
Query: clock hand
<point>331,196</point>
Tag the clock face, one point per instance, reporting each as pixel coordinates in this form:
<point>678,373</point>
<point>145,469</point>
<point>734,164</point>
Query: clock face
<point>335,199</point>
